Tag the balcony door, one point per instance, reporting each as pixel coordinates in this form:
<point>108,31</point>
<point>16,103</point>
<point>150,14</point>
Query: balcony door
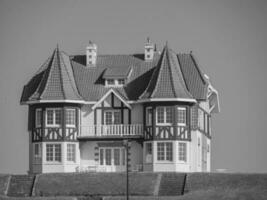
<point>112,119</point>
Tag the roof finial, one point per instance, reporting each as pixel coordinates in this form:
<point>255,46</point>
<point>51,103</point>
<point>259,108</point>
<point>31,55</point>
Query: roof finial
<point>90,42</point>
<point>155,48</point>
<point>148,40</point>
<point>191,52</point>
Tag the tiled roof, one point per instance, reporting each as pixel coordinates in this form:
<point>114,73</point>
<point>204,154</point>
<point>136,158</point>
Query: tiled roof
<point>117,72</point>
<point>168,75</point>
<point>167,79</point>
<point>54,81</point>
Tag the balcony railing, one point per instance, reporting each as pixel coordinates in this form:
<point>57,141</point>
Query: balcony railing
<point>111,130</point>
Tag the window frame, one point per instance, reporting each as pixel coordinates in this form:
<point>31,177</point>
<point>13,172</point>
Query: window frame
<point>164,153</point>
<point>71,152</point>
<point>149,120</point>
<point>54,117</point>
<point>108,82</point>
<point>182,158</point>
<point>148,152</point>
<point>103,156</point>
<point>38,110</point>
<point>54,153</point>
<point>66,116</point>
<point>121,80</point>
<point>164,123</point>
<point>112,117</point>
<point>185,116</point>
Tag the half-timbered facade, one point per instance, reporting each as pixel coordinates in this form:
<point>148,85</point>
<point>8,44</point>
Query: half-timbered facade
<point>83,107</point>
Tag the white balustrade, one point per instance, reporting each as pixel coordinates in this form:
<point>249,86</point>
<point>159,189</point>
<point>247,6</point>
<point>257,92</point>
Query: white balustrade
<point>111,130</point>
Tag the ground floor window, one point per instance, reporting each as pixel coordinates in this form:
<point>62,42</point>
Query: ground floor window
<point>182,154</point>
<point>164,151</point>
<point>53,152</point>
<point>148,152</point>
<point>71,152</point>
<point>112,156</point>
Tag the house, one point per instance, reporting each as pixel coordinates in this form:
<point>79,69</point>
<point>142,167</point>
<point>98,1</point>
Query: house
<point>82,109</point>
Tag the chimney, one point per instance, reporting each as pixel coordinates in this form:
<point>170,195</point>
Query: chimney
<point>91,54</point>
<point>149,50</point>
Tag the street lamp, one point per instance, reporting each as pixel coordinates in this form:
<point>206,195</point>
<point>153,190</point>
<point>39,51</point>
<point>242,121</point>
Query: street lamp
<point>127,144</point>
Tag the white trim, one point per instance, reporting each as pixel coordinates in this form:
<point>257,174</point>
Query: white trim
<point>166,99</point>
<point>57,101</point>
<point>106,95</point>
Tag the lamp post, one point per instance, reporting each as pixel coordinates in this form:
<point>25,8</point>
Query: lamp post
<point>127,144</point>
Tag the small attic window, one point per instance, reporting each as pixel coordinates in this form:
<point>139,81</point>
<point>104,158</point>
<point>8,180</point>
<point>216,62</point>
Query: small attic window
<point>121,81</point>
<point>110,81</point>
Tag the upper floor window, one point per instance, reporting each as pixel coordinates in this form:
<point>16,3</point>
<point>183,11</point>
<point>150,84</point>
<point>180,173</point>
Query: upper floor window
<point>182,154</point>
<point>164,151</point>
<point>181,118</point>
<point>38,117</point>
<point>164,115</point>
<point>149,116</point>
<point>70,117</point>
<point>53,152</point>
<point>53,117</point>
<point>112,117</point>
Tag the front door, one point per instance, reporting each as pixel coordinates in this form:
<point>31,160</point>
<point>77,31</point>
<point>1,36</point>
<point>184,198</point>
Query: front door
<point>112,159</point>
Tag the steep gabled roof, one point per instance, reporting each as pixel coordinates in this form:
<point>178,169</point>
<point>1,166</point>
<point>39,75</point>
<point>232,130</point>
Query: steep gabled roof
<point>167,79</point>
<point>167,76</point>
<point>54,81</point>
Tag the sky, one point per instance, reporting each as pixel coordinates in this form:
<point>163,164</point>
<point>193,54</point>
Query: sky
<point>228,38</point>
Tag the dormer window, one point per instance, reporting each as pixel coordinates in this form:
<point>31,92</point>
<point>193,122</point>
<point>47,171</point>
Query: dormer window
<point>110,82</point>
<point>121,81</point>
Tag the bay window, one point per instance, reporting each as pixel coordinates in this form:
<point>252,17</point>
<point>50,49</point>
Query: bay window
<point>70,117</point>
<point>182,154</point>
<point>53,152</point>
<point>38,117</point>
<point>149,116</point>
<point>53,117</point>
<point>164,151</point>
<point>71,152</point>
<point>164,115</point>
<point>181,118</point>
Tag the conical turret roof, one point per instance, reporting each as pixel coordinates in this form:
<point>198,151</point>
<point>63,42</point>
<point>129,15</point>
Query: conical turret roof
<point>167,79</point>
<point>55,81</point>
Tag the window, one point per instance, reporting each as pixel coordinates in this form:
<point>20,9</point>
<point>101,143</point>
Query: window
<point>200,119</point>
<point>182,151</point>
<point>53,117</point>
<point>123,153</point>
<point>38,117</point>
<point>101,155</point>
<point>181,116</point>
<point>108,156</point>
<point>149,116</point>
<point>110,82</point>
<point>164,115</point>
<point>112,156</point>
<point>116,157</point>
<point>37,150</point>
<point>71,152</point>
<point>70,117</point>
<point>164,151</point>
<point>53,152</point>
<point>148,152</point>
<point>89,56</point>
<point>112,117</point>
<point>121,81</point>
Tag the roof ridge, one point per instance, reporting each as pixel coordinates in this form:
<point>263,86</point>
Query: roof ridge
<point>60,74</point>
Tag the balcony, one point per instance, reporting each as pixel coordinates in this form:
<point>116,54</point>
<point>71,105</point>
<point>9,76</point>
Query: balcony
<point>111,131</point>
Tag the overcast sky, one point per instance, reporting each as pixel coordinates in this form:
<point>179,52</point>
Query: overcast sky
<point>228,38</point>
